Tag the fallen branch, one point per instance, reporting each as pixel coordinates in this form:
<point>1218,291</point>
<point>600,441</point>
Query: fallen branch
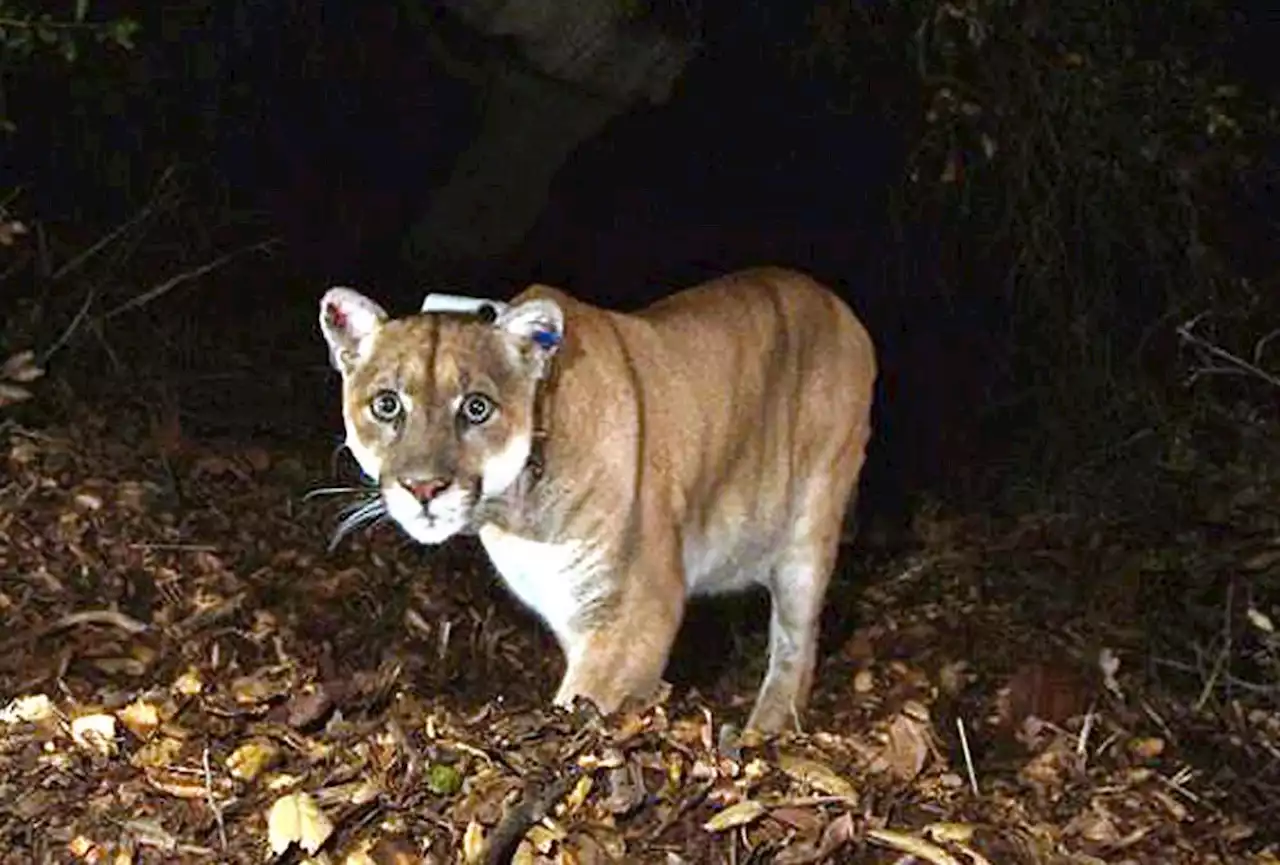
<point>114,618</point>
<point>145,213</point>
<point>524,815</point>
<point>186,276</point>
<point>1231,364</point>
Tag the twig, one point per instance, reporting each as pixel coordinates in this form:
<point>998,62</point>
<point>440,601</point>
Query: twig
<point>522,816</point>
<point>107,239</point>
<point>1224,654</point>
<point>1082,743</point>
<point>89,297</point>
<point>170,284</point>
<point>213,805</point>
<point>968,757</point>
<point>71,620</point>
<point>1238,363</point>
<point>1223,681</point>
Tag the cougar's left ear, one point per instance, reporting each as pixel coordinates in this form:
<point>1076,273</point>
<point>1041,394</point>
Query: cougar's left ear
<point>346,318</point>
<point>539,321</point>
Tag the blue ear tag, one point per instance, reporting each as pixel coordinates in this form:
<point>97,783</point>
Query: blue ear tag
<point>546,338</point>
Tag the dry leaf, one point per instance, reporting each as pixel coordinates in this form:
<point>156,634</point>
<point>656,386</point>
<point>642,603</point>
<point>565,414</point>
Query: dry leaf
<point>817,775</point>
<point>28,710</point>
<point>80,847</point>
<point>1148,748</point>
<point>21,367</point>
<point>578,795</point>
<point>524,854</point>
<point>139,718</point>
<point>741,814</point>
<point>544,837</point>
<point>955,833</point>
<point>9,230</point>
<point>802,819</point>
<point>838,833</point>
<point>296,818</point>
<point>250,759</point>
<point>95,733</point>
<point>12,394</point>
<point>178,784</point>
<point>156,753</point>
<point>473,844</point>
<point>912,846</point>
<point>1261,620</point>
<point>189,684</point>
<point>909,742</point>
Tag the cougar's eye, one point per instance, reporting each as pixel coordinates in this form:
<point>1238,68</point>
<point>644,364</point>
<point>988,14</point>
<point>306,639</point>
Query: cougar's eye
<point>476,408</point>
<point>385,405</point>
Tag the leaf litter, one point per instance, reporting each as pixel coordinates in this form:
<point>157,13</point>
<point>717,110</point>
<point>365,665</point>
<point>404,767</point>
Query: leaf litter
<point>188,676</point>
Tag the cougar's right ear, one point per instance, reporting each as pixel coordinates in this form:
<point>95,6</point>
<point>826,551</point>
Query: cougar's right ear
<point>347,318</point>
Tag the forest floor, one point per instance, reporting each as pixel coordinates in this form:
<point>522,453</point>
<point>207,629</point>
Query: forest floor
<point>188,675</point>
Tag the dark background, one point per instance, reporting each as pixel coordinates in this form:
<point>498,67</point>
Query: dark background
<point>329,125</point>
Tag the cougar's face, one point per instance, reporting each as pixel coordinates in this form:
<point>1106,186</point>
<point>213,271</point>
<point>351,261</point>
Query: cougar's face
<point>438,408</point>
<point>440,413</point>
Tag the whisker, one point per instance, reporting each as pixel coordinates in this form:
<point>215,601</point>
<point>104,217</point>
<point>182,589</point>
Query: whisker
<point>370,498</point>
<point>332,491</point>
<point>359,515</point>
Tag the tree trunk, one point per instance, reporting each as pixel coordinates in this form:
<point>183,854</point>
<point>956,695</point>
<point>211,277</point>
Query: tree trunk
<point>499,185</point>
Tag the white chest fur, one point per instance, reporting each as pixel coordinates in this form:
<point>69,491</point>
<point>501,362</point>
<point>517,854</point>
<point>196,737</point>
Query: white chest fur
<point>556,580</point>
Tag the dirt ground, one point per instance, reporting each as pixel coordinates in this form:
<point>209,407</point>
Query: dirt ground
<point>187,674</point>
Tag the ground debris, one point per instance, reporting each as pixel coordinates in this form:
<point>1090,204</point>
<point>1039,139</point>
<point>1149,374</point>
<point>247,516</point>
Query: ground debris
<point>190,678</point>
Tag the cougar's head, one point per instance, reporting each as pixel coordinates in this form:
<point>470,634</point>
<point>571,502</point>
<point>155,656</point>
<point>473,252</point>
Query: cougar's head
<point>439,408</point>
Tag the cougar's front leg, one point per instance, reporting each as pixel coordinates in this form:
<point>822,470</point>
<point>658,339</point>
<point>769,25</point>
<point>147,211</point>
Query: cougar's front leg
<point>625,652</point>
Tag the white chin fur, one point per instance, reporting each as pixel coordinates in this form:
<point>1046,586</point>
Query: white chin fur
<point>503,469</point>
<point>446,516</point>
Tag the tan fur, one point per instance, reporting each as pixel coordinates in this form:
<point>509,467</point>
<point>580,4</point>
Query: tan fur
<point>710,442</point>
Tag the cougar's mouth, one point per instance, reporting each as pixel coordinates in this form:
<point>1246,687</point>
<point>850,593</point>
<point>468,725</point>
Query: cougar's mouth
<point>432,518</point>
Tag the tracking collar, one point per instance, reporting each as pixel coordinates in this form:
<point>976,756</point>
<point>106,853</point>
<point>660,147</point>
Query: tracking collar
<point>489,310</point>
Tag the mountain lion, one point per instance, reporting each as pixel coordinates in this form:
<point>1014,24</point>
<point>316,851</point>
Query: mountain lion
<point>615,464</point>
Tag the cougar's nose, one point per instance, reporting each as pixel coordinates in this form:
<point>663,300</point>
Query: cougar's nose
<point>425,491</point>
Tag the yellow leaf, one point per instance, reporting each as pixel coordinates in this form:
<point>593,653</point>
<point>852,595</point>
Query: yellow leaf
<point>247,762</point>
<point>578,794</point>
<point>188,684</point>
<point>139,718</point>
<point>296,818</point>
<point>956,833</point>
<point>734,816</point>
<point>817,775</point>
<point>473,843</point>
<point>1148,748</point>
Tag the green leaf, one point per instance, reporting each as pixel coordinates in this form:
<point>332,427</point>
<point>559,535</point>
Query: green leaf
<point>82,9</point>
<point>122,31</point>
<point>443,780</point>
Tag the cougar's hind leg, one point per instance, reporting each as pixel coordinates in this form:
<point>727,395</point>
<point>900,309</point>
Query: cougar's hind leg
<point>797,588</point>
